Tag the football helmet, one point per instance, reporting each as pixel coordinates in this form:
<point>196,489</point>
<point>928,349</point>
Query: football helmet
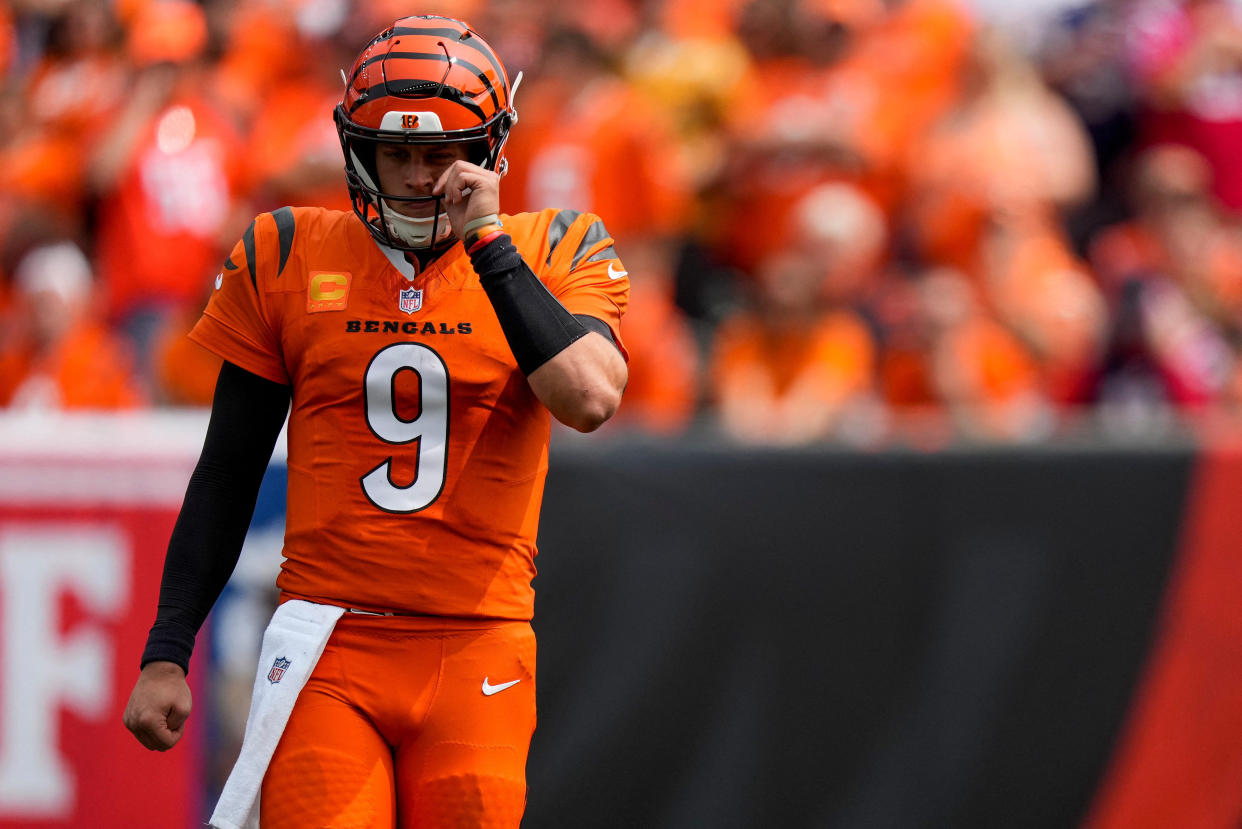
<point>423,80</point>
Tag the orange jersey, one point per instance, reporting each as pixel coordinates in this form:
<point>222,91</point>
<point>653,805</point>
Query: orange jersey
<point>417,450</point>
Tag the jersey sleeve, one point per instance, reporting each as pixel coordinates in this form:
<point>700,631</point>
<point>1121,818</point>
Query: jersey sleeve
<point>585,273</point>
<point>235,325</point>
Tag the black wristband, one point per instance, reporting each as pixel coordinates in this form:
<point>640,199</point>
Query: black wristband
<point>535,323</point>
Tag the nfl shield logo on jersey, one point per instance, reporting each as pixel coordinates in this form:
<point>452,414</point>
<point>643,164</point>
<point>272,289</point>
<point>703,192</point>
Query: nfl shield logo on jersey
<point>278,670</point>
<point>411,300</point>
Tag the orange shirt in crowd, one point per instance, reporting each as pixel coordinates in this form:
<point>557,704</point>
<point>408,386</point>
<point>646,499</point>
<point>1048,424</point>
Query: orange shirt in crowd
<point>687,19</point>
<point>1045,294</point>
<point>789,384</point>
<point>663,389</point>
<point>988,363</point>
<point>261,49</point>
<point>943,350</point>
<point>89,368</point>
<point>920,46</point>
<point>44,167</point>
<point>987,378</point>
<point>294,153</point>
<point>803,125</point>
<point>63,103</point>
<point>601,148</point>
<point>8,40</point>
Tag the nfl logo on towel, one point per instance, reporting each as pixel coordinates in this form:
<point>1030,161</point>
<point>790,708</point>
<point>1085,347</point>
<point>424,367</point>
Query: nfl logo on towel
<point>278,669</point>
<point>411,300</point>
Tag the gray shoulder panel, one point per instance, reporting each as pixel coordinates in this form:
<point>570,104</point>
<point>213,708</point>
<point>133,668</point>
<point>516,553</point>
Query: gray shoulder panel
<point>558,229</point>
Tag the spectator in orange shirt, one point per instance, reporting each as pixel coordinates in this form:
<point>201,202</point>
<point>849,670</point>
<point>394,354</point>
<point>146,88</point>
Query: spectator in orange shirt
<point>983,376</point>
<point>590,142</point>
<point>293,153</point>
<point>1042,292</point>
<point>694,70</point>
<point>167,174</point>
<point>840,89</point>
<point>52,110</point>
<point>791,369</point>
<point>1009,147</point>
<point>802,120</point>
<point>59,353</point>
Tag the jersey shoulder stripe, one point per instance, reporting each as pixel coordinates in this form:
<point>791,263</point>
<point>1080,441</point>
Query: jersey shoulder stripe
<point>285,226</point>
<point>558,228</point>
<point>582,233</point>
<point>595,233</point>
<point>604,253</point>
<point>249,246</point>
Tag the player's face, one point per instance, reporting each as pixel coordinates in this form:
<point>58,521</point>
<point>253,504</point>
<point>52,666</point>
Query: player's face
<point>413,170</point>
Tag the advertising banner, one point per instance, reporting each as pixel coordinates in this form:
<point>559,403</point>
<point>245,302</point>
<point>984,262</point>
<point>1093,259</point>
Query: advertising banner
<point>86,508</point>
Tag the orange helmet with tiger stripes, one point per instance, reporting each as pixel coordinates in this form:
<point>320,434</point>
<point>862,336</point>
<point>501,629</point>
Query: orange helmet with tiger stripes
<point>423,80</point>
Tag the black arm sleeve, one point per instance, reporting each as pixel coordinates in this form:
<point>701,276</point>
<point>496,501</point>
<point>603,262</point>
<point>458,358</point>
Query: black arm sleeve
<point>246,416</point>
<point>536,325</point>
<point>599,327</point>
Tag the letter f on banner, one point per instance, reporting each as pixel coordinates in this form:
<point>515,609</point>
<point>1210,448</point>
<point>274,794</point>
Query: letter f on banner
<point>43,671</point>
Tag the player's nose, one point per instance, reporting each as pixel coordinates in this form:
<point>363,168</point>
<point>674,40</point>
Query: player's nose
<point>418,175</point>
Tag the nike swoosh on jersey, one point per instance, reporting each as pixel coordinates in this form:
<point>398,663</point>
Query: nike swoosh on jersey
<point>614,274</point>
<point>489,689</point>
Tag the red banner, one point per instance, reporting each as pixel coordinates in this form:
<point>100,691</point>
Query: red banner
<point>82,538</point>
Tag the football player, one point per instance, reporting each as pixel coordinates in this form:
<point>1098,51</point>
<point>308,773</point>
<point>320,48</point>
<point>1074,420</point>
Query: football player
<point>423,342</point>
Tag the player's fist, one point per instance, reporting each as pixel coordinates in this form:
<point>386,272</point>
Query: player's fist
<point>470,192</point>
<point>158,706</point>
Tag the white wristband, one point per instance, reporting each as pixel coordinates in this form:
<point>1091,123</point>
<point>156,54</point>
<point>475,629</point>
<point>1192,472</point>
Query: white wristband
<point>489,219</point>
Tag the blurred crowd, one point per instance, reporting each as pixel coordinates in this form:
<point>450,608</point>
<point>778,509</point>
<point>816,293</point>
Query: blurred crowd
<point>838,216</point>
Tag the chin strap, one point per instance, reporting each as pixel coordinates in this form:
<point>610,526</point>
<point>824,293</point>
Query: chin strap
<point>417,233</point>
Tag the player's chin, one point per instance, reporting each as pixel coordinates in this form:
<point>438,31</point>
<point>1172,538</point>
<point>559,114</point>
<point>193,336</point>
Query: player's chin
<point>412,210</point>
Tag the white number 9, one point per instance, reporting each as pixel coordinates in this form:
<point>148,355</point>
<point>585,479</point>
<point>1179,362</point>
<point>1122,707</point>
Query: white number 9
<point>429,428</point>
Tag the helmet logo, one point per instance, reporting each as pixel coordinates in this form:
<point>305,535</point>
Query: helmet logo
<point>414,121</point>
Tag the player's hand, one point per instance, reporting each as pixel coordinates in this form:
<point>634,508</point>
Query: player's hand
<point>470,192</point>
<point>159,706</point>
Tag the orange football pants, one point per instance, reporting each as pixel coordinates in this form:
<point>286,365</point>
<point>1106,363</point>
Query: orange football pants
<point>408,723</point>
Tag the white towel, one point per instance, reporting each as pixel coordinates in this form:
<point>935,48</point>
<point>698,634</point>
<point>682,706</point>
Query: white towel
<point>292,644</point>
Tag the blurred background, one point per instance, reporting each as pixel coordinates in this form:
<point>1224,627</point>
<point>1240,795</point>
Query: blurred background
<point>940,300</point>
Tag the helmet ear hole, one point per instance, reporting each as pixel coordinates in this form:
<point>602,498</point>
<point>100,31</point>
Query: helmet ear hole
<point>477,152</point>
<point>364,151</point>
